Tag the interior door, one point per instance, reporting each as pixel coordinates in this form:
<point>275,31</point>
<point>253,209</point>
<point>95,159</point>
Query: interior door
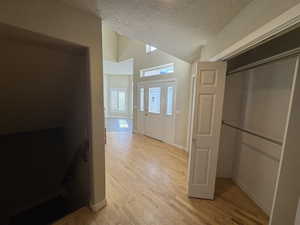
<point>207,121</point>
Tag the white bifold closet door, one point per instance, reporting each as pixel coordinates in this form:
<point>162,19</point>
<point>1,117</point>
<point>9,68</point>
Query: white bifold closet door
<point>207,121</point>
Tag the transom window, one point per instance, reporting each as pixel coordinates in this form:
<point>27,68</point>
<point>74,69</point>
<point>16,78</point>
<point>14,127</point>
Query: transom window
<point>159,70</point>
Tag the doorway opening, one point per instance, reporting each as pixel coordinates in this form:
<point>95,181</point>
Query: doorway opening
<point>45,127</point>
<point>148,167</point>
<point>118,95</point>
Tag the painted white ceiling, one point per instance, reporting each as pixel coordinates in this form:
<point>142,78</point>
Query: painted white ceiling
<point>178,27</point>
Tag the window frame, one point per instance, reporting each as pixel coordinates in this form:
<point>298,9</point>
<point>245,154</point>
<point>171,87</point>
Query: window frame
<point>172,99</point>
<point>142,71</point>
<point>125,90</point>
<point>142,109</point>
<point>160,102</point>
<point>150,48</point>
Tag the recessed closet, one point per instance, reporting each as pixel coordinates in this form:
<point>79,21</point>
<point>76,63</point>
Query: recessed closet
<point>44,128</point>
<point>257,134</point>
<point>245,126</point>
<point>255,112</point>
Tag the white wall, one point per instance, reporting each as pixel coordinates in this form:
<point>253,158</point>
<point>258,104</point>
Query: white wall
<point>257,100</point>
<point>254,15</point>
<point>134,49</point>
<point>117,74</point>
<point>118,68</point>
<point>57,20</point>
<point>109,44</point>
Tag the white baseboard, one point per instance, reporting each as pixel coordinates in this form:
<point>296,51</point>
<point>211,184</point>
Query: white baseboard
<point>252,196</point>
<point>96,207</point>
<point>173,144</point>
<point>178,146</point>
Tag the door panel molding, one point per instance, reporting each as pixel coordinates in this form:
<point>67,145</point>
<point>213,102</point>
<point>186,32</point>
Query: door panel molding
<point>205,131</point>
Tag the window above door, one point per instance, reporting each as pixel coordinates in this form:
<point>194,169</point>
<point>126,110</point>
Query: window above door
<point>158,70</point>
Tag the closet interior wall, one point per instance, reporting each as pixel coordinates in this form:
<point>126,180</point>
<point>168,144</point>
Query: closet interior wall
<point>43,116</point>
<point>257,100</point>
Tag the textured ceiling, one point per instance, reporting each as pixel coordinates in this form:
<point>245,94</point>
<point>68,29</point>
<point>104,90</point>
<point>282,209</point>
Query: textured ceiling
<point>178,27</point>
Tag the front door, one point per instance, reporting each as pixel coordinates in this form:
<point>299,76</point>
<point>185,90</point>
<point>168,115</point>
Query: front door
<point>156,110</point>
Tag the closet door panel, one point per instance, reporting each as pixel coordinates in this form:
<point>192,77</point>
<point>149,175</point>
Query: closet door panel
<point>206,129</point>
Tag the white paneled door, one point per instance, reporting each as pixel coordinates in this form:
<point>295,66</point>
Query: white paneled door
<point>206,127</point>
<point>155,114</point>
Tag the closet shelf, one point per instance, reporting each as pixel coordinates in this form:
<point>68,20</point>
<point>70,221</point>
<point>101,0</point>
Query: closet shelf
<point>252,133</point>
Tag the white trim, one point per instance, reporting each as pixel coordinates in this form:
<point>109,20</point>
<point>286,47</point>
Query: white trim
<point>295,78</point>
<point>96,207</point>
<point>178,146</point>
<point>172,144</point>
<point>118,117</point>
<point>252,196</point>
<point>297,220</point>
<point>275,26</point>
<point>143,82</point>
<point>191,108</point>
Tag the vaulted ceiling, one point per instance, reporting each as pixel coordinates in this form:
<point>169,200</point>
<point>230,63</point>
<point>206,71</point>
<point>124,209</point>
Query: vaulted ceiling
<point>178,27</point>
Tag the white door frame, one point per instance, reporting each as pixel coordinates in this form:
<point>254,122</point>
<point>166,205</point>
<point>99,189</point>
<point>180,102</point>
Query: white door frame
<point>143,83</point>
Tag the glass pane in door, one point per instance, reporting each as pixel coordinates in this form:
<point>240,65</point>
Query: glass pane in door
<point>154,100</point>
<point>114,100</point>
<point>141,99</point>
<point>122,101</point>
<point>170,94</point>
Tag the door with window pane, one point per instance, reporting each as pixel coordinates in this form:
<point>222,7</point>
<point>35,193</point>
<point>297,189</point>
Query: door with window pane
<point>157,102</point>
<point>153,115</point>
<point>118,101</point>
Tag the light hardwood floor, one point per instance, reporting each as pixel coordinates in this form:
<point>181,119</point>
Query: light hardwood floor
<point>146,185</point>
